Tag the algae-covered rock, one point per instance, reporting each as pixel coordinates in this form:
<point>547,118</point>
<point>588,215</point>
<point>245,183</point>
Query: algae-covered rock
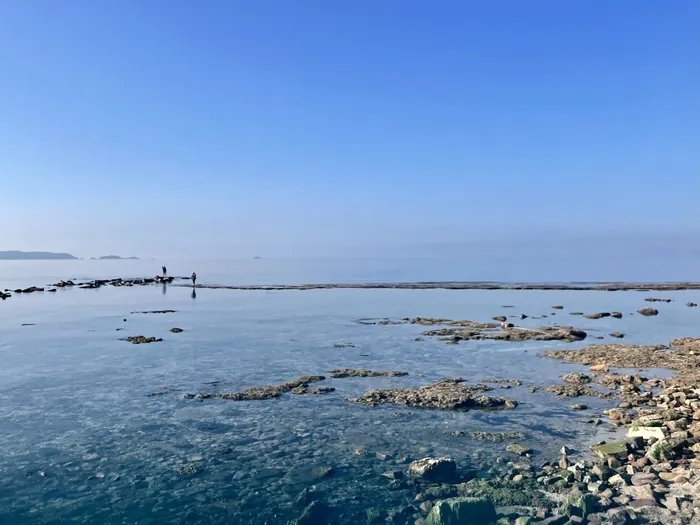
<point>462,511</point>
<point>520,450</point>
<point>501,492</point>
<point>617,448</point>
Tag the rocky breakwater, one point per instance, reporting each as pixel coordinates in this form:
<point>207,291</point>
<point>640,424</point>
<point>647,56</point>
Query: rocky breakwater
<point>448,394</point>
<point>116,281</point>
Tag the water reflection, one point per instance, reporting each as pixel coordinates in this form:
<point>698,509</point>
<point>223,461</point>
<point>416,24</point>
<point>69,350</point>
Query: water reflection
<point>193,295</point>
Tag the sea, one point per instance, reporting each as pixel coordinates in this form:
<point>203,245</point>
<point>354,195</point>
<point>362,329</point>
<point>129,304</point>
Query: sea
<point>96,430</point>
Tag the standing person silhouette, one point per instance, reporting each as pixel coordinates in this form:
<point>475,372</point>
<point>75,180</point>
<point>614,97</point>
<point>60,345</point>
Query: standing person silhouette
<point>194,279</point>
<point>165,271</point>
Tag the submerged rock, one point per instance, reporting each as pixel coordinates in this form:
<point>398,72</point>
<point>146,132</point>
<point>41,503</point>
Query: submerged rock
<point>465,510</point>
<point>691,304</point>
<point>176,330</point>
<point>448,394</point>
<point>433,469</point>
<point>298,386</point>
<point>431,321</point>
<point>487,436</point>
<point>618,335</point>
<point>361,372</point>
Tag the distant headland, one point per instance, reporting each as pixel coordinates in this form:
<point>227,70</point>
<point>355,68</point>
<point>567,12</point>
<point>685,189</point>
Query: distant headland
<point>114,258</point>
<point>14,255</point>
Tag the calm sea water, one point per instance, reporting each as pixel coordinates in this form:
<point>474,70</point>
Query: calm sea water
<point>80,441</point>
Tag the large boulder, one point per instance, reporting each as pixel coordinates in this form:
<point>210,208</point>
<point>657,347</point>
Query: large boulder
<point>462,511</point>
<point>433,469</point>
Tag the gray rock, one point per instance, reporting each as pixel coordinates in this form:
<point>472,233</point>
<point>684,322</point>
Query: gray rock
<point>644,478</point>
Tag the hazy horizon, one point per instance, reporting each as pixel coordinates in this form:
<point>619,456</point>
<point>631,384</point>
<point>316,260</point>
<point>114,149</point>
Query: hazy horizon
<point>372,129</point>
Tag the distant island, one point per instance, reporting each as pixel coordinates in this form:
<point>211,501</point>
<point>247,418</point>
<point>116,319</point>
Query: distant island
<point>114,258</point>
<point>14,255</point>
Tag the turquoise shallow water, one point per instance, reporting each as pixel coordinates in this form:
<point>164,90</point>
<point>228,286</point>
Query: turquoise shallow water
<point>80,441</point>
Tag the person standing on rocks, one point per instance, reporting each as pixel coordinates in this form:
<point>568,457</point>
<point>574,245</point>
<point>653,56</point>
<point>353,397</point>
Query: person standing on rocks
<point>165,271</point>
<point>194,279</point>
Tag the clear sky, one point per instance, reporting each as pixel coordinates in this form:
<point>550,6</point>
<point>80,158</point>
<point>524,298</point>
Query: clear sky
<point>286,127</point>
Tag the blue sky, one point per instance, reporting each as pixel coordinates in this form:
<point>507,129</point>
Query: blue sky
<point>226,128</point>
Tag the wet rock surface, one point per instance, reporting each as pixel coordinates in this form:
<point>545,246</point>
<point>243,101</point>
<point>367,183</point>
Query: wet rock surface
<point>142,339</point>
<point>298,386</point>
<point>176,330</point>
<point>508,332</point>
<point>449,394</point>
<point>682,355</point>
<point>648,312</point>
<point>598,315</point>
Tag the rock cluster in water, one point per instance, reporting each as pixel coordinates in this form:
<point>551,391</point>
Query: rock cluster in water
<point>509,333</point>
<point>298,386</point>
<point>449,394</point>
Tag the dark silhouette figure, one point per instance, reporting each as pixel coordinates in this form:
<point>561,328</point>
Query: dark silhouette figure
<point>165,271</point>
<point>194,279</point>
<point>193,295</point>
